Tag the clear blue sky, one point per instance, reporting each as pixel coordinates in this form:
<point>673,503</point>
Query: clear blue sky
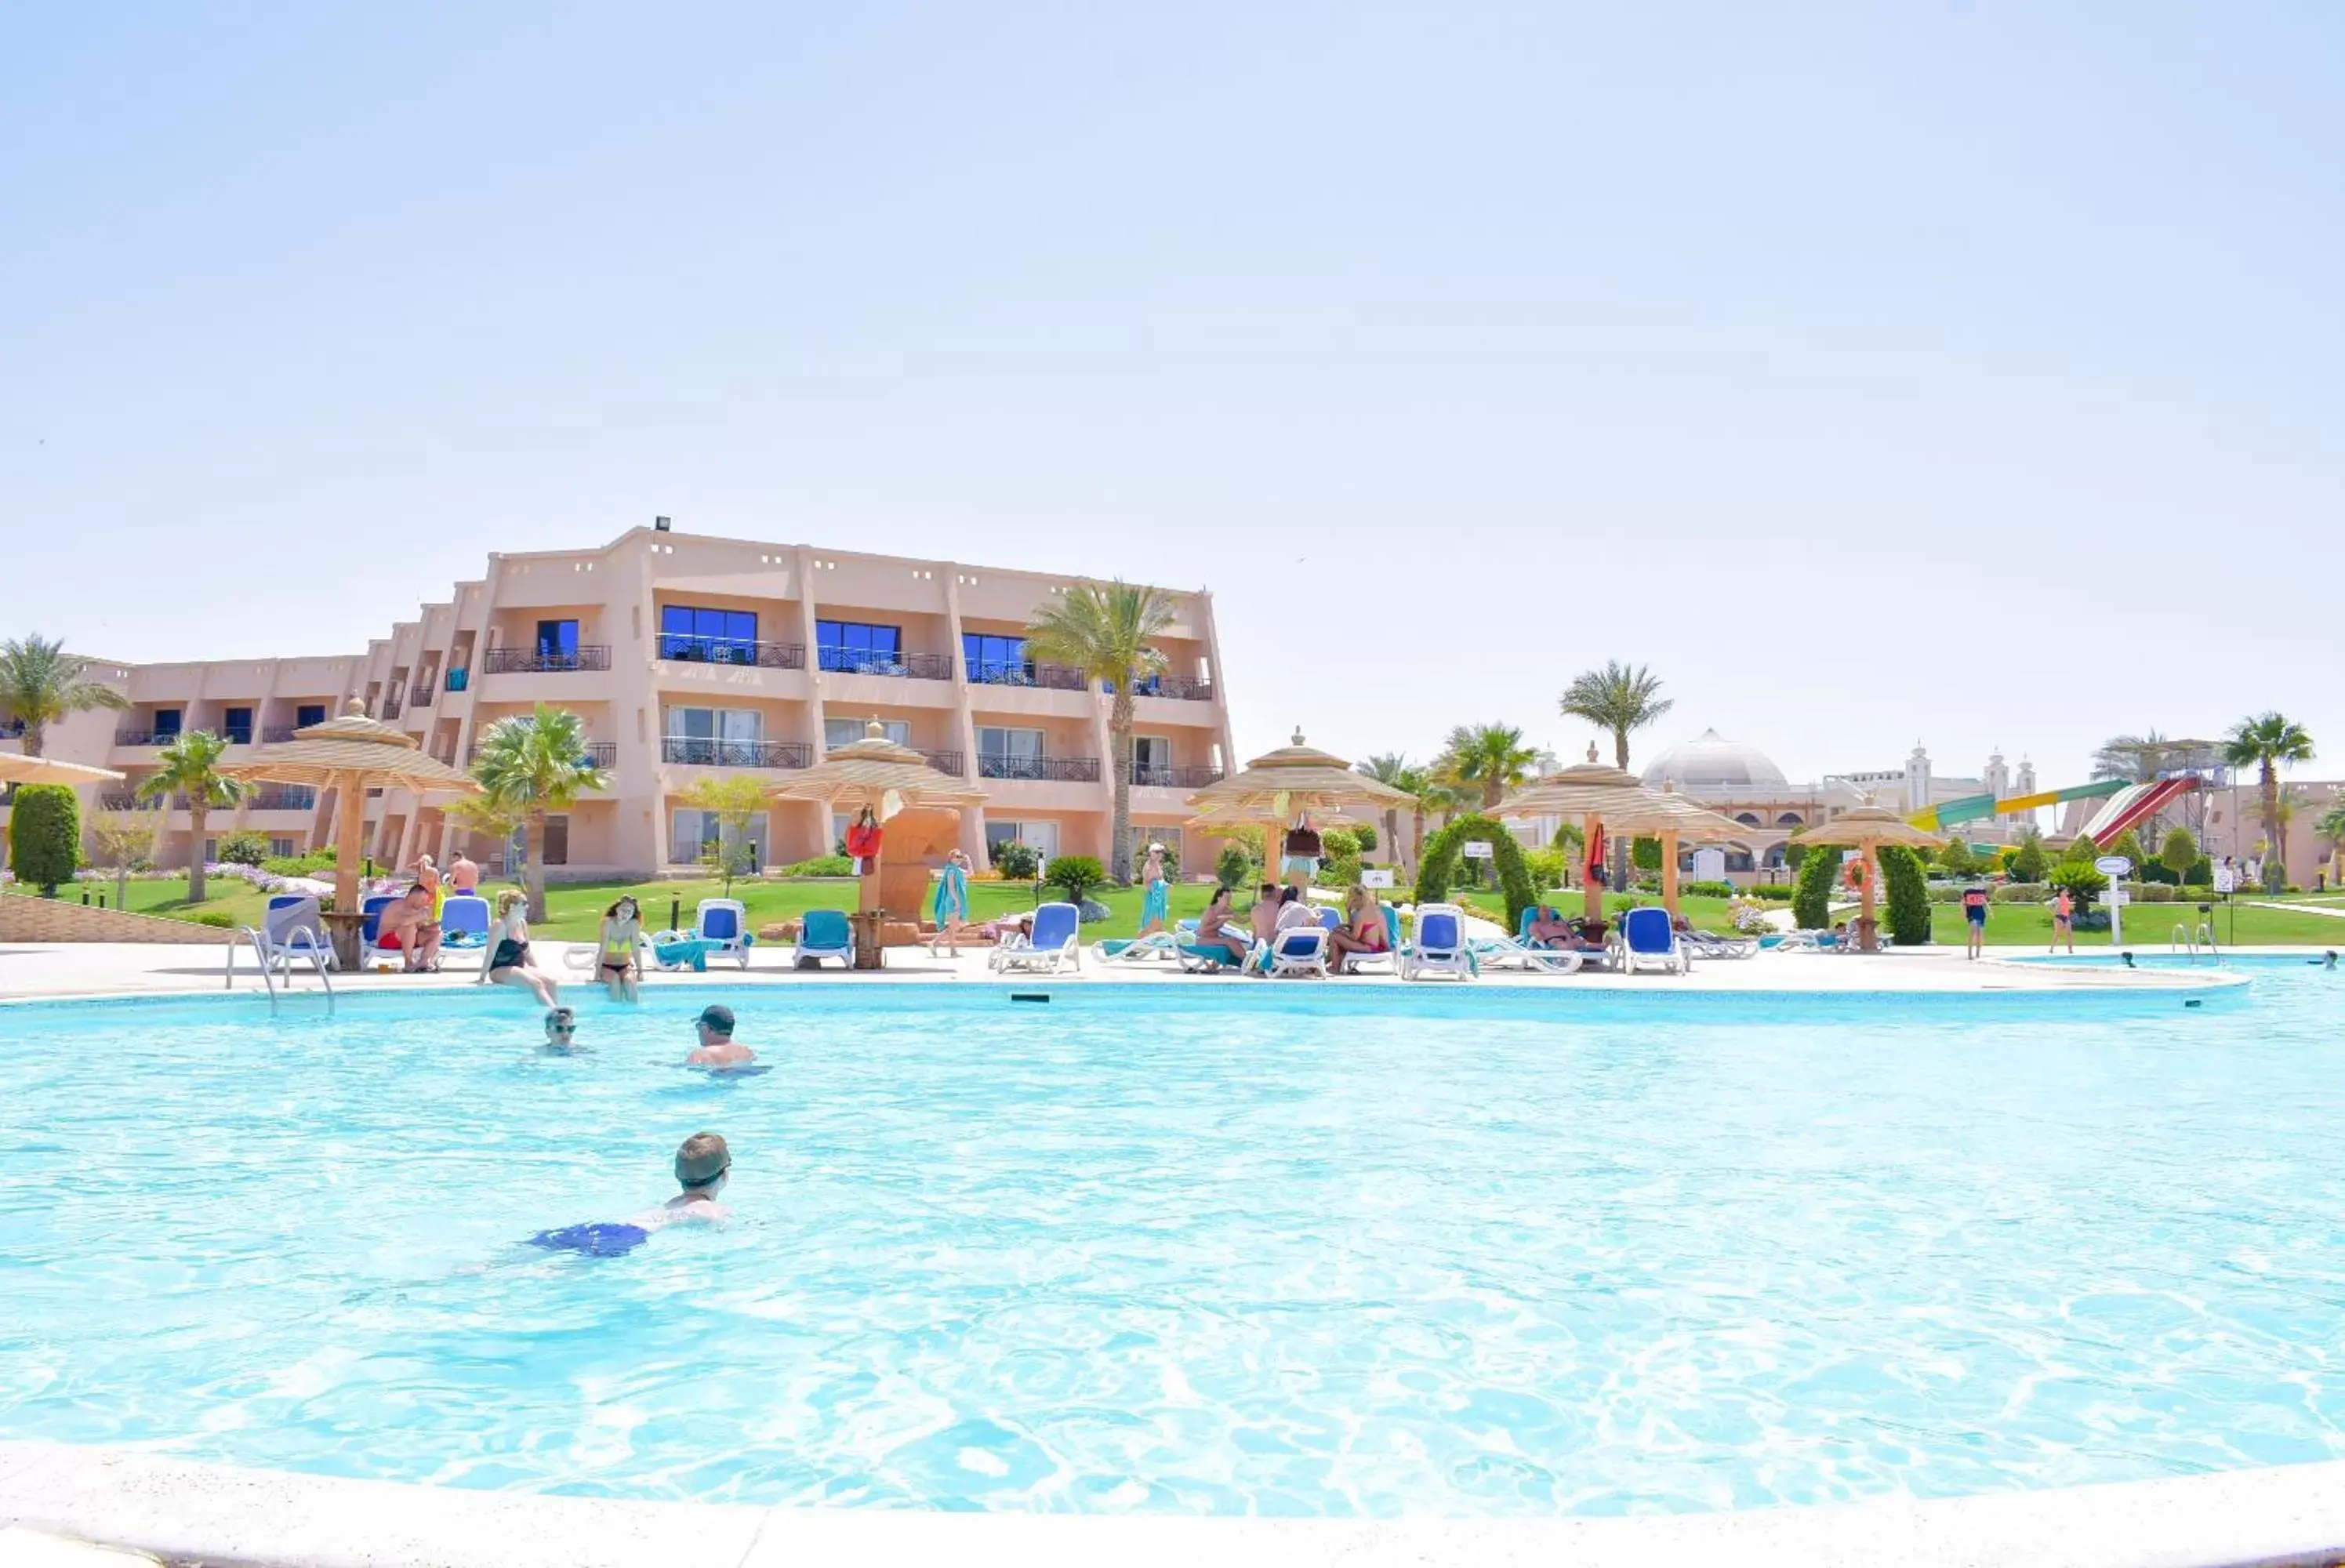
<point>1456,348</point>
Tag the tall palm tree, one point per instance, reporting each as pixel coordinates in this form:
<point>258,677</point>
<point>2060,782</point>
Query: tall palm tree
<point>532,765</point>
<point>1618,698</point>
<point>1107,633</point>
<point>1430,790</point>
<point>2268,742</point>
<point>1390,768</point>
<point>190,766</point>
<point>1487,759</point>
<point>40,684</point>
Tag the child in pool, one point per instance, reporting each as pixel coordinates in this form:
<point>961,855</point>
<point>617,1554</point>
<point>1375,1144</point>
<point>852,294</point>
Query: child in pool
<point>702,1166</point>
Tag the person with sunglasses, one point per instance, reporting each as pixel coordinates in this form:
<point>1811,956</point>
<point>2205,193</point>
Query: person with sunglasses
<point>561,1031</point>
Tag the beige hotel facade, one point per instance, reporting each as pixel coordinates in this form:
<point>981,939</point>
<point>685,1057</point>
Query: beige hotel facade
<point>686,656</point>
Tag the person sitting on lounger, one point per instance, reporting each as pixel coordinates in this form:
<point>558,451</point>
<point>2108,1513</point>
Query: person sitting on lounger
<point>1548,928</point>
<point>1265,916</point>
<point>407,929</point>
<point>1293,911</point>
<point>1213,929</point>
<point>1363,932</point>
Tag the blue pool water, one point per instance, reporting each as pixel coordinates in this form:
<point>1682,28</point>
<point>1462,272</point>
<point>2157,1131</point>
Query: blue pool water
<point>1293,1250</point>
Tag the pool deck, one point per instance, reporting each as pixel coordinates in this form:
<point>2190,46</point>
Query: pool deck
<point>31,970</point>
<point>261,1518</point>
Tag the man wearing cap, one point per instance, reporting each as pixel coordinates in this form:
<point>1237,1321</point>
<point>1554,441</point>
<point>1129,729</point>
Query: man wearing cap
<point>717,1049</point>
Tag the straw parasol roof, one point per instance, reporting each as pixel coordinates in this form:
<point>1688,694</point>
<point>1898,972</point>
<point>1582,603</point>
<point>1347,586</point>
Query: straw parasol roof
<point>327,753</point>
<point>1664,811</point>
<point>874,768</point>
<point>1293,779</point>
<point>1578,790</point>
<point>17,770</point>
<point>1869,824</point>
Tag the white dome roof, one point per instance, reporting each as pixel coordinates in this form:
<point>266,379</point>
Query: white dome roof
<point>1712,765</point>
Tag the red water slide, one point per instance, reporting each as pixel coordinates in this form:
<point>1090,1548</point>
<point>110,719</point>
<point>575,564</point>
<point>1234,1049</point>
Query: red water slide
<point>2125,813</point>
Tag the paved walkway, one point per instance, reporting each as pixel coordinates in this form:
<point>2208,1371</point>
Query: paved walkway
<point>55,969</point>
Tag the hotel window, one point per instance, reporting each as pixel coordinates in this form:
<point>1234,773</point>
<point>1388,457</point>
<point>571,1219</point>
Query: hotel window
<point>712,636</point>
<point>167,724</point>
<point>699,833</point>
<point>856,645</point>
<point>837,733</point>
<point>1043,838</point>
<point>309,714</point>
<point>557,641</point>
<point>715,737</point>
<point>236,726</point>
<point>282,848</point>
<point>995,661</point>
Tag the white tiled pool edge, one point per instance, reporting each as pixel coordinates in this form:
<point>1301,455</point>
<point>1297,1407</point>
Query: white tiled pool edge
<point>227,1516</point>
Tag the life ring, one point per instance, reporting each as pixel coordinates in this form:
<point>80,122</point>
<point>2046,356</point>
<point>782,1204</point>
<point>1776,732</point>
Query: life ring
<point>1852,874</point>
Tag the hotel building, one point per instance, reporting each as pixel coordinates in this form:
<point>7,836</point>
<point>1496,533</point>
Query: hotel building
<point>688,657</point>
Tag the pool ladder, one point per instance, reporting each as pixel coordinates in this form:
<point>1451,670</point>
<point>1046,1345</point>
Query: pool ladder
<point>310,950</point>
<point>2185,940</point>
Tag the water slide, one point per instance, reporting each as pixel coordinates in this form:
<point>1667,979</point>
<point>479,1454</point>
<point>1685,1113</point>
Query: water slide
<point>2136,805</point>
<point>1973,807</point>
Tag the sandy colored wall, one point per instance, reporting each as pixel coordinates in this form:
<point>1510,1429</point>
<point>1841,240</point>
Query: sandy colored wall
<point>64,919</point>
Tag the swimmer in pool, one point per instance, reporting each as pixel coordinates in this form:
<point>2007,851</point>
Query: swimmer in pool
<point>702,1167</point>
<point>561,1032</point>
<point>717,1049</point>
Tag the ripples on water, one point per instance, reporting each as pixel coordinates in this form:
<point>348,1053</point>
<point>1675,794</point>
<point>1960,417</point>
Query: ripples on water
<point>1300,1251</point>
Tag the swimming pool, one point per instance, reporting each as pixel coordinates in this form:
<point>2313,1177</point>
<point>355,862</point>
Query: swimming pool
<point>1292,1250</point>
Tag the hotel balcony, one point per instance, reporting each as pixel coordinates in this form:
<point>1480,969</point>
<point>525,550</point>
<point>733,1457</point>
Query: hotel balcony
<point>521,661</point>
<point>902,666</point>
<point>693,751</point>
<point>1196,776</point>
<point>293,798</point>
<point>679,648</point>
<point>945,761</point>
<point>1050,769</point>
<point>144,737</point>
<point>1056,677</point>
<point>277,734</point>
<point>602,754</point>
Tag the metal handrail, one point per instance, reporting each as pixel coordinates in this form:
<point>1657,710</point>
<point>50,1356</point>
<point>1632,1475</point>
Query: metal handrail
<point>315,950</point>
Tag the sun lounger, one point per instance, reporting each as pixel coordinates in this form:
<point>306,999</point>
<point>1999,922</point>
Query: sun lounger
<point>722,923</point>
<point>1057,943</point>
<point>373,906</point>
<point>1707,945</point>
<point>1441,947</point>
<point>824,934</point>
<point>1297,952</point>
<point>293,927</point>
<point>1647,941</point>
<point>1527,954</point>
<point>1155,947</point>
<point>1356,963</point>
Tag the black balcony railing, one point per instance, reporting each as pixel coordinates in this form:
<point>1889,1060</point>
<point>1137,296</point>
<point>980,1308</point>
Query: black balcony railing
<point>1013,672</point>
<point>947,763</point>
<point>546,661</point>
<point>1196,775</point>
<point>689,650</point>
<point>144,737</point>
<point>1187,688</point>
<point>276,735</point>
<point>119,800</point>
<point>602,754</point>
<point>237,734</point>
<point>420,695</point>
<point>693,751</point>
<point>293,798</point>
<point>389,705</point>
<point>1060,770</point>
<point>859,661</point>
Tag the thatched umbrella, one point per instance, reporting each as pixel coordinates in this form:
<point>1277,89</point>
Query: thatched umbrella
<point>350,756</point>
<point>1864,830</point>
<point>1667,815</point>
<point>1596,792</point>
<point>878,774</point>
<point>17,770</point>
<point>1295,780</point>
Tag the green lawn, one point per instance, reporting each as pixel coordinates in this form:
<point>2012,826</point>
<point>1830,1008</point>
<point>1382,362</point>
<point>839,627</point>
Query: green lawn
<point>238,900</point>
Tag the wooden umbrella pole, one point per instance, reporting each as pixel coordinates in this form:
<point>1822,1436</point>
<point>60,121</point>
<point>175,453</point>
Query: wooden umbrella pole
<point>344,924</point>
<point>1871,943</point>
<point>1670,871</point>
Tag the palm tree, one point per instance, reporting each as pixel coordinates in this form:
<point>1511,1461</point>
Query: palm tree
<point>1390,768</point>
<point>190,766</point>
<point>40,684</point>
<point>1490,759</point>
<point>533,765</point>
<point>1431,790</point>
<point>2268,742</point>
<point>1106,632</point>
<point>1619,699</point>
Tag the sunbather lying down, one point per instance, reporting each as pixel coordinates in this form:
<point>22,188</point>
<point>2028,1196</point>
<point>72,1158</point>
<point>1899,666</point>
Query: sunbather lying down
<point>1550,930</point>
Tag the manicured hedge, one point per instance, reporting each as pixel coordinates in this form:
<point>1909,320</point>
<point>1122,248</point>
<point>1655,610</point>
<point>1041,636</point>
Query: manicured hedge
<point>1908,891</point>
<point>1811,894</point>
<point>45,836</point>
<point>1438,865</point>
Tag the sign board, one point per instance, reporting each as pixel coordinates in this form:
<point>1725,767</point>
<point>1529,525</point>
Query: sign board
<point>1710,866</point>
<point>2113,865</point>
<point>2118,898</point>
<point>2226,879</point>
<point>1374,876</point>
<point>1476,849</point>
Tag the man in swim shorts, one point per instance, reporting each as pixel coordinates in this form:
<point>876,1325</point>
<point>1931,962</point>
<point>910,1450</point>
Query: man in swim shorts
<point>702,1166</point>
<point>1974,913</point>
<point>407,929</point>
<point>717,1049</point>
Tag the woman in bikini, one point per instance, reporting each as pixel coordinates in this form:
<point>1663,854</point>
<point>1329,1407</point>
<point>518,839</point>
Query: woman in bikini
<point>509,960</point>
<point>1214,928</point>
<point>618,956</point>
<point>1363,934</point>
